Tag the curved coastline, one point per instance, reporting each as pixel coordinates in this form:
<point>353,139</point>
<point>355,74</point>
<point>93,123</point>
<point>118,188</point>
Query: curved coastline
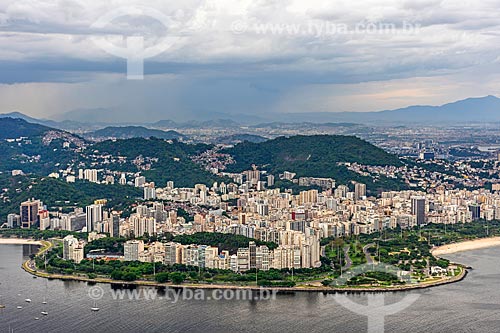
<point>307,288</point>
<point>443,250</point>
<point>29,267</point>
<point>469,245</point>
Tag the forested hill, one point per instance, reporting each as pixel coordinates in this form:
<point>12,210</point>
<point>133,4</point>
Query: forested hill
<point>127,132</point>
<point>314,156</point>
<point>11,128</point>
<point>308,154</point>
<point>171,160</point>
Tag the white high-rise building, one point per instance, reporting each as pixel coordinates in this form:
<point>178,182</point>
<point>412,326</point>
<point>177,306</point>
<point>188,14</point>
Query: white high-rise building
<point>90,175</point>
<point>140,181</point>
<point>72,249</point>
<point>94,215</point>
<point>132,250</point>
<point>149,193</point>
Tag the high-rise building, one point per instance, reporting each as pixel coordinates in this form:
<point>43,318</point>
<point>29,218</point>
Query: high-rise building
<point>43,219</point>
<point>262,258</point>
<point>149,193</point>
<point>94,215</point>
<point>171,253</point>
<point>341,191</point>
<point>476,212</point>
<point>115,225</point>
<point>252,253</point>
<point>359,191</point>
<point>243,259</point>
<point>139,181</point>
<point>13,221</point>
<point>90,175</point>
<point>72,249</point>
<point>132,250</point>
<point>29,213</point>
<point>418,209</point>
<point>270,180</point>
<point>142,225</point>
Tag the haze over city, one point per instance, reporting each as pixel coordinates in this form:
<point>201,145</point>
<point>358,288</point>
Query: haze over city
<point>248,57</point>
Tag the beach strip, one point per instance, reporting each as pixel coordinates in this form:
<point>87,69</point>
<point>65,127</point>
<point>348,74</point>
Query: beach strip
<point>19,241</point>
<point>475,244</point>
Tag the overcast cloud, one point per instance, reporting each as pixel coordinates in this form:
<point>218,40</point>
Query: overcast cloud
<point>249,57</point>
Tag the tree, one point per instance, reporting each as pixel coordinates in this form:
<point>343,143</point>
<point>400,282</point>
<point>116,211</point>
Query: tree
<point>177,278</point>
<point>161,277</point>
<point>116,275</point>
<point>129,276</point>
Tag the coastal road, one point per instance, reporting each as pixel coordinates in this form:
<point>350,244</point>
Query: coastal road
<point>348,260</point>
<point>369,258</point>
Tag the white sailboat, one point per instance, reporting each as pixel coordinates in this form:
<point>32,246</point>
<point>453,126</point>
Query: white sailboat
<point>44,313</point>
<point>27,300</point>
<point>94,308</point>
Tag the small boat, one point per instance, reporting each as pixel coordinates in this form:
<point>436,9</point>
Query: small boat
<point>44,313</point>
<point>36,318</point>
<point>2,306</point>
<point>19,307</point>
<point>34,277</point>
<point>44,302</point>
<point>27,300</point>
<point>94,308</point>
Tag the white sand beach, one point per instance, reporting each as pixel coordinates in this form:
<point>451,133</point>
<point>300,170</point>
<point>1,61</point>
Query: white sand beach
<point>466,246</point>
<point>18,241</point>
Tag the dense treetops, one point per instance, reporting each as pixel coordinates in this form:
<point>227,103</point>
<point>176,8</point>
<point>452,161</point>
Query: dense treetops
<point>125,132</point>
<point>174,162</point>
<point>12,128</point>
<point>315,155</point>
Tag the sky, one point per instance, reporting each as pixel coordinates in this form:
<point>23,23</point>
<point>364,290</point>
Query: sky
<point>227,58</point>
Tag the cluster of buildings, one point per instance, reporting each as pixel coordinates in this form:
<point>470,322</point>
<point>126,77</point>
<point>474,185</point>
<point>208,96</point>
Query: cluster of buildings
<point>294,222</point>
<point>203,256</point>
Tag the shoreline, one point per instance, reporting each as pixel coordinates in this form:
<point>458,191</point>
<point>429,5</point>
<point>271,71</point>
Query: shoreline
<point>437,251</point>
<point>143,283</point>
<point>19,241</point>
<point>469,245</point>
<point>30,268</point>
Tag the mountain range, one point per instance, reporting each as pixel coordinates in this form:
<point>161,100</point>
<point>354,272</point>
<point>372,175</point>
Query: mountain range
<point>46,150</point>
<point>128,132</point>
<point>470,110</point>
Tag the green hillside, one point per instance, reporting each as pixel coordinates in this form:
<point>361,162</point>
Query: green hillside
<point>12,128</point>
<point>128,132</point>
<point>34,154</point>
<point>173,163</point>
<point>314,156</point>
<point>57,193</point>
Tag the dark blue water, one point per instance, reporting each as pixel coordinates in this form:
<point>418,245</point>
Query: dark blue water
<point>472,305</point>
